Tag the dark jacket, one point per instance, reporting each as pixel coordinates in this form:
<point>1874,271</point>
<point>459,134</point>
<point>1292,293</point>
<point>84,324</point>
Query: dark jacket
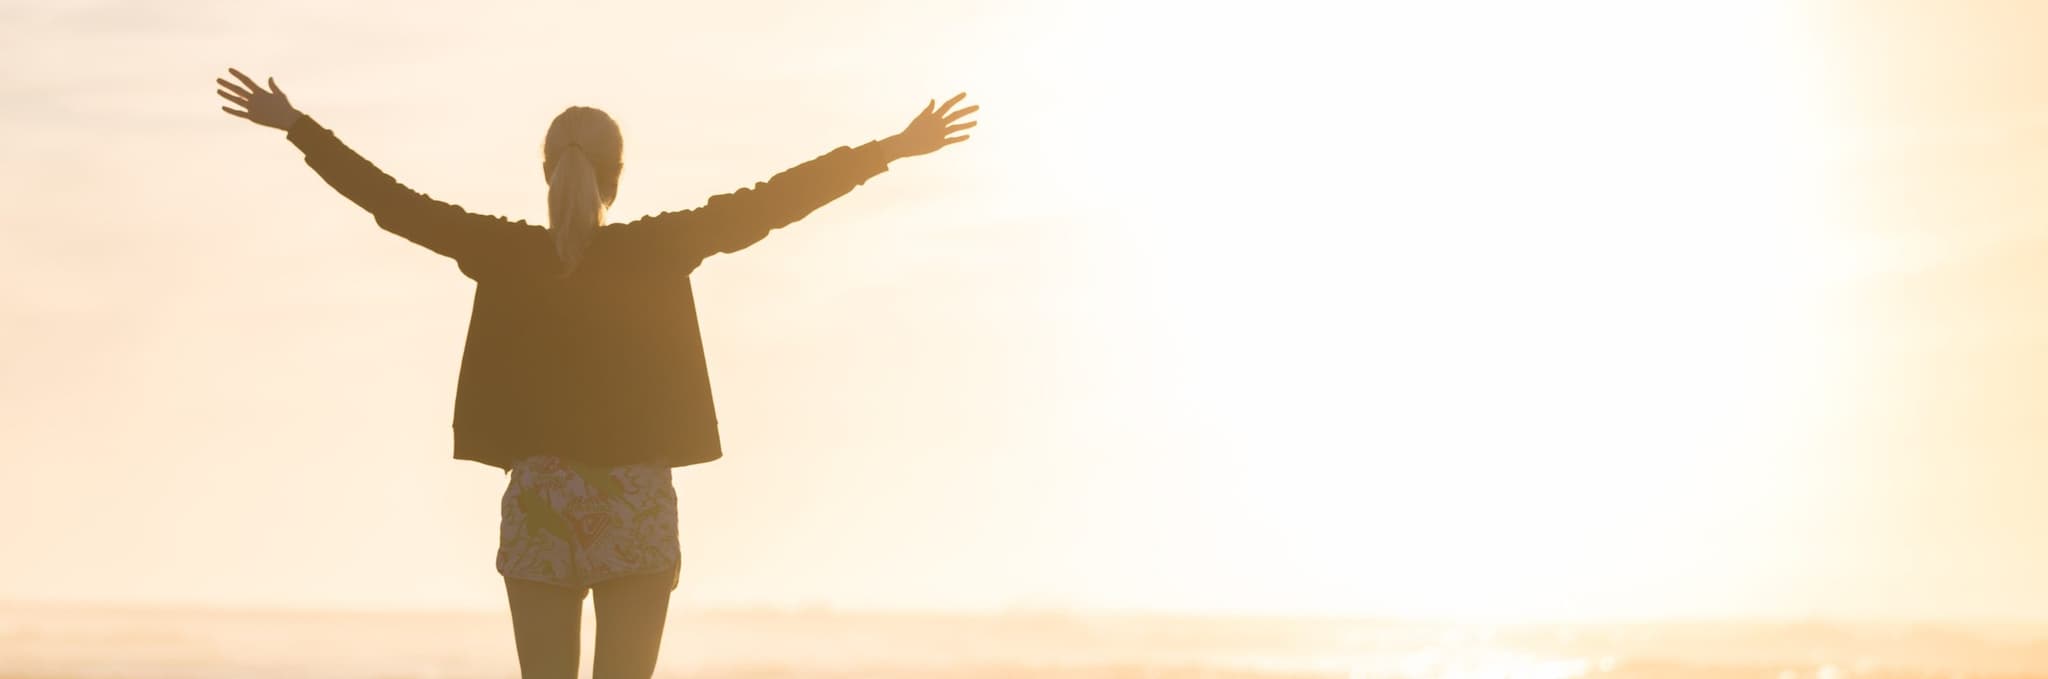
<point>605,365</point>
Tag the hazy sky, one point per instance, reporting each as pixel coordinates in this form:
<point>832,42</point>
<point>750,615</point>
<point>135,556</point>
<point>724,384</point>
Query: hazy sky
<point>1455,308</point>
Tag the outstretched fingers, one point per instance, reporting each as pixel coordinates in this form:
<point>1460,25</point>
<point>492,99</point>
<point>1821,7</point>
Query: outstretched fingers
<point>950,102</point>
<point>246,80</point>
<point>957,114</point>
<point>231,87</point>
<point>235,94</point>
<point>935,128</point>
<point>252,102</point>
<point>948,117</point>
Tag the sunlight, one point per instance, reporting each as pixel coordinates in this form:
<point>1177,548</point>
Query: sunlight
<point>1470,309</point>
<point>1478,310</point>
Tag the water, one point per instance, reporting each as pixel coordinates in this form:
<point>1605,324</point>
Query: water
<point>45,641</point>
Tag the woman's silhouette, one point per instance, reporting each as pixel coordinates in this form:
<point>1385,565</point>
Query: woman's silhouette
<point>583,375</point>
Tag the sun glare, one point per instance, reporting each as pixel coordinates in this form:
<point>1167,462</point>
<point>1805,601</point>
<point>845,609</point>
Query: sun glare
<point>1470,308</point>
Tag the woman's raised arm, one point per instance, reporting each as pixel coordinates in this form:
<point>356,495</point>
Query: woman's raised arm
<point>729,222</point>
<point>441,227</point>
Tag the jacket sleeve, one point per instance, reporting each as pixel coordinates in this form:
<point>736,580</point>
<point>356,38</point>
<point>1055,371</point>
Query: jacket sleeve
<point>732,221</point>
<point>441,227</point>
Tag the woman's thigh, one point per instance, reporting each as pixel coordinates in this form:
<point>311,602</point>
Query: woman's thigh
<point>631,612</point>
<point>547,627</point>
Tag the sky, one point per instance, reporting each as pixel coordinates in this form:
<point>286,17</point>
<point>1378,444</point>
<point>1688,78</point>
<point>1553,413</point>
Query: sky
<point>1481,310</point>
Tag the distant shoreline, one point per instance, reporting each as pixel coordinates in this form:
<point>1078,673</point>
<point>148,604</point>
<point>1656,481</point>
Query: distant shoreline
<point>1815,624</point>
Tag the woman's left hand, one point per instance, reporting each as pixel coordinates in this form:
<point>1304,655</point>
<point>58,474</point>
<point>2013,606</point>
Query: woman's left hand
<point>269,109</point>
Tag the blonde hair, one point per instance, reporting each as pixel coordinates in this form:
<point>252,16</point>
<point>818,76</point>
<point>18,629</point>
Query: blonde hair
<point>581,160</point>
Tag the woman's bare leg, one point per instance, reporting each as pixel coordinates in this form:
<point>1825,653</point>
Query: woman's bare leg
<point>547,626</point>
<point>630,614</point>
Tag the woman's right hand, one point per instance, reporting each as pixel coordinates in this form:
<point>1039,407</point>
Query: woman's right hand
<point>269,109</point>
<point>931,130</point>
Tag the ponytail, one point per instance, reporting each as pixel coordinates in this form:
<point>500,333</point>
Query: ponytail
<point>581,160</point>
<point>575,209</point>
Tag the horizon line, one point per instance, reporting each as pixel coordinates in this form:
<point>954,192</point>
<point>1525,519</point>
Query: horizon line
<point>1072,612</point>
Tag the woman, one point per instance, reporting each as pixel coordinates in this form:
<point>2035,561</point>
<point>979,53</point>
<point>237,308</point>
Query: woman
<point>583,375</point>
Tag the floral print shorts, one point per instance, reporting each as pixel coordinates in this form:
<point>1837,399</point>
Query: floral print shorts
<point>570,524</point>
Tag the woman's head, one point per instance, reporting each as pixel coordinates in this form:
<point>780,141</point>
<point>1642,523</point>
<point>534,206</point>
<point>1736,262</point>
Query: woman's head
<point>581,160</point>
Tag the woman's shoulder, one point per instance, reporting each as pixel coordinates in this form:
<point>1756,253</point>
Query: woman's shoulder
<point>519,248</point>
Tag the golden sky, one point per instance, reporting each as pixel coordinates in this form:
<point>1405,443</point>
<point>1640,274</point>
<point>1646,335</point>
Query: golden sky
<point>1475,309</point>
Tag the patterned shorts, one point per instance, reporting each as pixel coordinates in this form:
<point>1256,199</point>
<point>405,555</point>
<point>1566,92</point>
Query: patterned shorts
<point>569,524</point>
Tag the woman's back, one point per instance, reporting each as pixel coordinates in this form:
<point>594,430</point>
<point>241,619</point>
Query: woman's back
<point>601,360</point>
<point>605,365</point>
